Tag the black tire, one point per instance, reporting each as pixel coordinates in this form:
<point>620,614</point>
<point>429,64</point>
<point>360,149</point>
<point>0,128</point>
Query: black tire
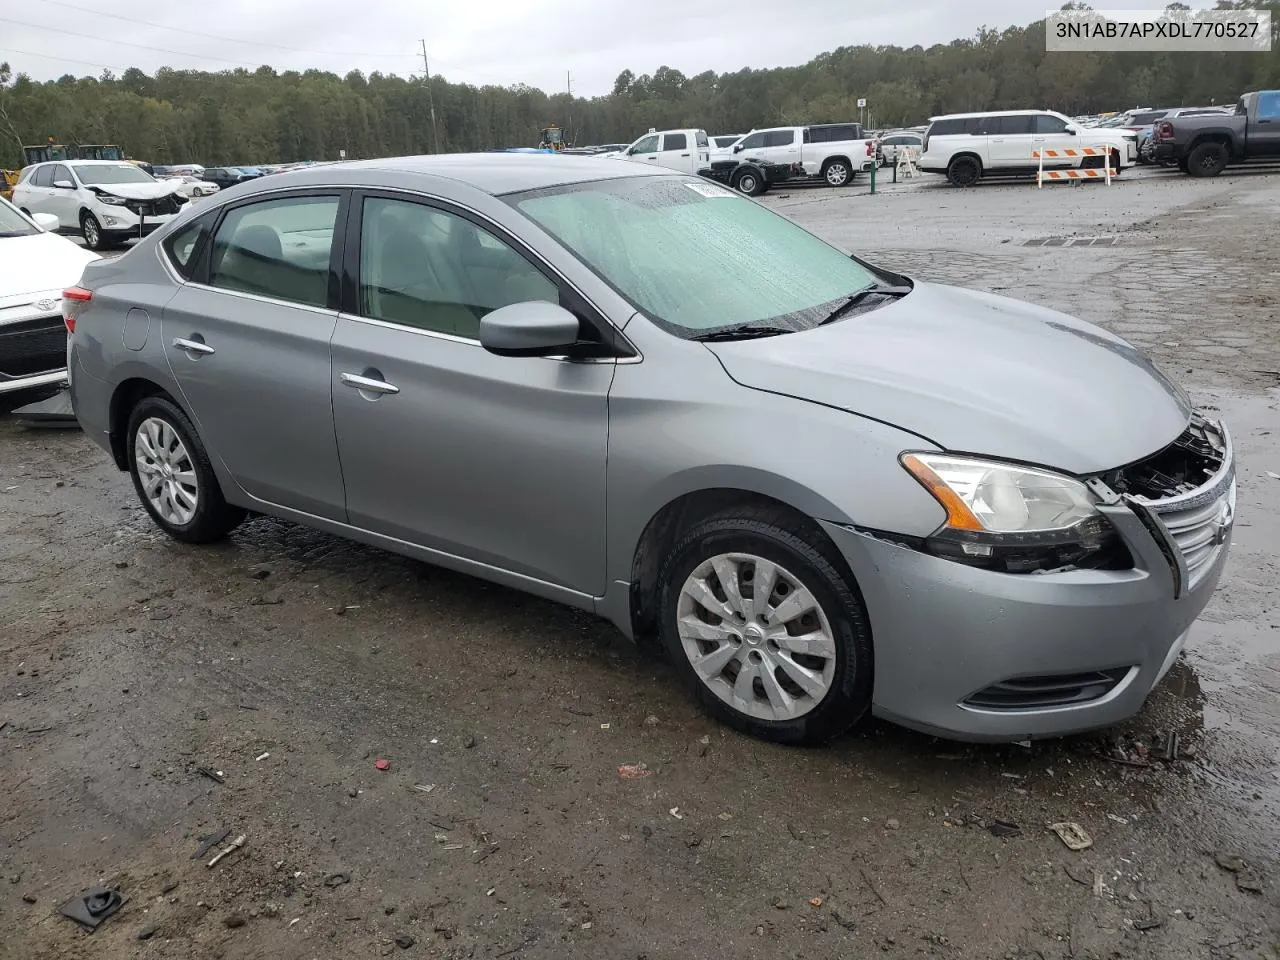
<point>91,230</point>
<point>1181,164</point>
<point>1114,159</point>
<point>838,172</point>
<point>749,182</point>
<point>964,171</point>
<point>213,518</point>
<point>817,567</point>
<point>1207,160</point>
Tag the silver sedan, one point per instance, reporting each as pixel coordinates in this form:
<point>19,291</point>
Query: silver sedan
<point>824,488</point>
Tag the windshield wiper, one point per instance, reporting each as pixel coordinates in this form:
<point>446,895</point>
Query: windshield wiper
<point>876,289</point>
<point>743,331</point>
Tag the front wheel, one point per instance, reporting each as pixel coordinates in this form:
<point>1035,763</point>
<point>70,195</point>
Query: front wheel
<point>91,230</point>
<point>774,640</point>
<point>173,477</point>
<point>750,183</point>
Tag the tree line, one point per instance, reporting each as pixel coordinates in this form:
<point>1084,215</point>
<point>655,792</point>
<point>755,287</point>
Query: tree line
<point>263,116</point>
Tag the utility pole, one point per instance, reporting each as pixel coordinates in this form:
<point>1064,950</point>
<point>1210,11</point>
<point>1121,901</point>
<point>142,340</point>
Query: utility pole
<point>435,131</point>
<point>568,78</point>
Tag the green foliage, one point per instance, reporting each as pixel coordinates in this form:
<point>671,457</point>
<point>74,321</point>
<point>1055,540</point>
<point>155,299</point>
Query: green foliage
<point>260,116</point>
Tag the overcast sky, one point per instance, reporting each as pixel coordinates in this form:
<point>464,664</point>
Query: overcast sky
<point>489,41</point>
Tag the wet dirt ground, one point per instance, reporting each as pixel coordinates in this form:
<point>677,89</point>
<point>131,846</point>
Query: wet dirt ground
<point>287,663</point>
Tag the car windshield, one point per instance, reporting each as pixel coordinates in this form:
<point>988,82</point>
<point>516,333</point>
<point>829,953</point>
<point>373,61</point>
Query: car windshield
<point>99,173</point>
<point>13,224</point>
<point>695,256</point>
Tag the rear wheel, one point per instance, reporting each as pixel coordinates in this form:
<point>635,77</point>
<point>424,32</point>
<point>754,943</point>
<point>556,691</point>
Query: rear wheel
<point>173,477</point>
<point>964,171</point>
<point>773,638</point>
<point>1207,160</point>
<point>837,173</point>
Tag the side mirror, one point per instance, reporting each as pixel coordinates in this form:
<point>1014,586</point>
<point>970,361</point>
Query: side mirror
<point>737,148</point>
<point>535,328</point>
<point>1072,129</point>
<point>46,222</point>
<point>63,185</point>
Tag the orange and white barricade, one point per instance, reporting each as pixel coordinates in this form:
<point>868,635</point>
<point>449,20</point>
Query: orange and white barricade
<point>1106,171</point>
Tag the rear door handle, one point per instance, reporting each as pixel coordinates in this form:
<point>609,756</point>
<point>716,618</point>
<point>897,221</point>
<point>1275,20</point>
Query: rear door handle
<point>684,154</point>
<point>192,346</point>
<point>368,383</point>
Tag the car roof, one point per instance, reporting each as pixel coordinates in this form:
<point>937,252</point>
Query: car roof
<point>492,173</point>
<point>987,113</point>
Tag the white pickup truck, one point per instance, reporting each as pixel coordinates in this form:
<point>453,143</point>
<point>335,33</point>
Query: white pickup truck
<point>685,150</point>
<point>836,152</point>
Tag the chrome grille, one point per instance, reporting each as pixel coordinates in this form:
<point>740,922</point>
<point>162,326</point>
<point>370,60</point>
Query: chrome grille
<point>1200,532</point>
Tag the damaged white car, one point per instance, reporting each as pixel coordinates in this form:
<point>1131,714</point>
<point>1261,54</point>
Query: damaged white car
<point>105,201</point>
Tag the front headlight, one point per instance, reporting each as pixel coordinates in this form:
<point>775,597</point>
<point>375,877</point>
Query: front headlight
<point>1013,518</point>
<point>112,201</point>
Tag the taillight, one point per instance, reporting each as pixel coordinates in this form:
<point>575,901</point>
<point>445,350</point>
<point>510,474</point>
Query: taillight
<point>871,147</point>
<point>1164,130</point>
<point>72,297</point>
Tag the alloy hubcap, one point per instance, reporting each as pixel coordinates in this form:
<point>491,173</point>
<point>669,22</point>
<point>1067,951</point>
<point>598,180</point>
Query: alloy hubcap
<point>756,636</point>
<point>90,231</point>
<point>167,473</point>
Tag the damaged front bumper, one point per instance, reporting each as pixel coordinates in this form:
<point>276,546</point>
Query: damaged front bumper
<point>974,654</point>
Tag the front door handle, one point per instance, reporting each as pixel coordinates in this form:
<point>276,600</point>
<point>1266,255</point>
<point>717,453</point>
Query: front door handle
<point>192,346</point>
<point>368,383</point>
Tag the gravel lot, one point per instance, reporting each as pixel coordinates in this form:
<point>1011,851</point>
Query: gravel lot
<point>289,662</point>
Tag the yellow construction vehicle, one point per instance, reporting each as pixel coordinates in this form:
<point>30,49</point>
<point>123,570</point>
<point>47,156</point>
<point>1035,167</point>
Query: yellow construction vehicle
<point>552,138</point>
<point>9,181</point>
<point>99,151</point>
<point>48,151</point>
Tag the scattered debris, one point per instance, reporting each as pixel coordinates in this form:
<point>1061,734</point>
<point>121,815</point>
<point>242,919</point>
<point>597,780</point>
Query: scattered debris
<point>234,921</point>
<point>675,812</point>
<point>485,853</point>
<point>780,903</point>
<point>725,816</point>
<point>214,775</point>
<point>92,907</point>
<point>634,771</point>
<point>1273,476</point>
<point>469,744</point>
<point>383,765</point>
<point>210,841</point>
<point>262,756</point>
<point>605,726</point>
<point>1230,862</point>
<point>1120,820</point>
<point>147,932</point>
<point>1066,868</point>
<point>424,787</point>
<point>1003,828</point>
<point>230,848</point>
<point>892,824</point>
<point>28,898</point>
<point>1248,883</point>
<point>872,887</point>
<point>404,941</point>
<point>1149,924</point>
<point>336,880</point>
<point>651,721</point>
<point>1098,886</point>
<point>815,901</point>
<point>843,919</point>
<point>1073,835</point>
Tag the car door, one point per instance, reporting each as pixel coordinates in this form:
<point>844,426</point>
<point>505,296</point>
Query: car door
<point>1050,133</point>
<point>677,152</point>
<point>751,146</point>
<point>1264,131</point>
<point>497,460</point>
<point>782,146</point>
<point>1011,140</point>
<point>644,151</point>
<point>38,195</point>
<point>248,344</point>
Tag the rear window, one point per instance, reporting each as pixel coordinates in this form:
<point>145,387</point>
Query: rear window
<point>832,132</point>
<point>957,126</point>
<point>1010,126</point>
<point>1142,119</point>
<point>701,137</point>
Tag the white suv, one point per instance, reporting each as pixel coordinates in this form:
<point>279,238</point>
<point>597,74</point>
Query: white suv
<point>105,201</point>
<point>964,146</point>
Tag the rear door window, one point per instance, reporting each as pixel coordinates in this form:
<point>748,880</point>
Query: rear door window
<point>675,141</point>
<point>277,248</point>
<point>779,138</point>
<point>1011,126</point>
<point>42,177</point>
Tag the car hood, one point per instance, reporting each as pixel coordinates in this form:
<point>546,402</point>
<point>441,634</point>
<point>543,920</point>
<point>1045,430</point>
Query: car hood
<point>137,191</point>
<point>977,373</point>
<point>42,263</point>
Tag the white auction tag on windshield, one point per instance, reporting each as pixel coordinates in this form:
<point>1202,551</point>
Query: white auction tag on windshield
<point>708,189</point>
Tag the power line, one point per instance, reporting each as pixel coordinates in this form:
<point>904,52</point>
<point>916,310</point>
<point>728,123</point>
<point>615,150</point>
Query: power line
<point>46,56</point>
<point>125,43</point>
<point>212,36</point>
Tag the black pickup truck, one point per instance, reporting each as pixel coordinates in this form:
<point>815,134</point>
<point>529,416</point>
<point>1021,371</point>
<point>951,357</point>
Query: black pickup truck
<point>1203,146</point>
